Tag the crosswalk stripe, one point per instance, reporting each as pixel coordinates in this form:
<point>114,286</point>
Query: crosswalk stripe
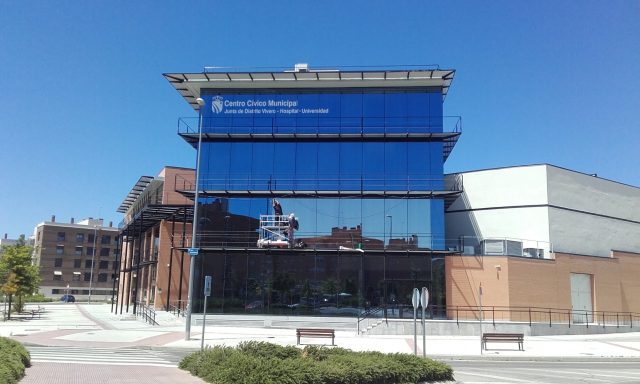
<point>105,356</point>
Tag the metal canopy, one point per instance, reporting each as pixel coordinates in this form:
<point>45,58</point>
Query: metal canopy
<point>151,215</point>
<point>190,85</point>
<point>135,192</point>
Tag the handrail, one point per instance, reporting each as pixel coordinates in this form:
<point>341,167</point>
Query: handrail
<point>147,313</point>
<point>545,315</point>
<point>369,314</point>
<point>260,124</point>
<point>178,309</point>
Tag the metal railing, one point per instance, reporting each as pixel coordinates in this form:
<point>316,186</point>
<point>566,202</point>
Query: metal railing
<point>500,246</point>
<point>375,315</point>
<point>551,316</point>
<point>146,312</point>
<point>319,240</point>
<point>359,183</point>
<point>178,308</point>
<point>314,125</point>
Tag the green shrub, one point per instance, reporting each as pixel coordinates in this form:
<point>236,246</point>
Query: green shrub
<point>13,360</point>
<point>266,350</point>
<point>37,298</point>
<point>260,362</point>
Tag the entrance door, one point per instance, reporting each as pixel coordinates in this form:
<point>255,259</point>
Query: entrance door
<point>581,298</point>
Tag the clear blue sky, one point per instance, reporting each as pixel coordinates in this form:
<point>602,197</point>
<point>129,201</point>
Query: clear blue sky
<point>85,111</point>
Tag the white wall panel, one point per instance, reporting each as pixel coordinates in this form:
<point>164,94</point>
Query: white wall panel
<point>503,188</point>
<point>582,192</point>
<point>575,232</point>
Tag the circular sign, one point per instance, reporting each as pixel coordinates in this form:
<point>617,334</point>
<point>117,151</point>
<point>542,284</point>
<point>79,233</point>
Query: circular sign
<point>424,298</point>
<point>415,300</point>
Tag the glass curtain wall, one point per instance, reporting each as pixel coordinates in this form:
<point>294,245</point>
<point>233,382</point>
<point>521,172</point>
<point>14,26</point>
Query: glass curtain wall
<point>320,283</point>
<point>356,147</point>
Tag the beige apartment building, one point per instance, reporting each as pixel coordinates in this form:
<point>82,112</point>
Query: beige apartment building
<point>76,258</point>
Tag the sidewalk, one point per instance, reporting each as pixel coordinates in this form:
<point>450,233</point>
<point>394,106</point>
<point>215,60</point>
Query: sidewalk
<point>80,324</point>
<point>94,326</point>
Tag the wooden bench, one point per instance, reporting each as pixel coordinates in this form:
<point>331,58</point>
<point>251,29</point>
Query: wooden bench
<point>37,312</point>
<point>503,338</point>
<point>316,332</point>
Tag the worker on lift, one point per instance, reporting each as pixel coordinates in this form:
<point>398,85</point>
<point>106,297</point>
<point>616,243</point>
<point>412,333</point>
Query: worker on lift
<point>293,226</point>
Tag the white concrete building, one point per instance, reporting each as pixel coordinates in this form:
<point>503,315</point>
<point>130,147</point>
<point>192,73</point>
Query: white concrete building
<point>538,209</point>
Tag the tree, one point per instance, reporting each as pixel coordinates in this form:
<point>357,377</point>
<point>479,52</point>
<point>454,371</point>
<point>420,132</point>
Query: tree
<point>18,276</point>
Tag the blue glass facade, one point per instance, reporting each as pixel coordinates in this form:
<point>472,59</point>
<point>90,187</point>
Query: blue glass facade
<point>358,168</point>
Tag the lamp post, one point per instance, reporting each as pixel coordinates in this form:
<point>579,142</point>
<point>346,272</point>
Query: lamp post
<point>192,262</point>
<point>93,257</point>
<point>390,228</point>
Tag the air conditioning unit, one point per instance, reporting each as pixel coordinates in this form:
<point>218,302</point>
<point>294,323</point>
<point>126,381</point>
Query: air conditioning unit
<point>536,253</point>
<point>301,67</point>
<point>502,247</point>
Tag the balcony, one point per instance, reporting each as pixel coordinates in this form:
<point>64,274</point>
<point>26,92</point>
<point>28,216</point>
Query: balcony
<point>356,186</point>
<point>445,129</point>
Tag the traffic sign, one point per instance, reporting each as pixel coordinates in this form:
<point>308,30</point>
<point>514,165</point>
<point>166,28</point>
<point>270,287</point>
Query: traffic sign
<point>207,285</point>
<point>193,251</point>
<point>424,298</point>
<point>415,300</point>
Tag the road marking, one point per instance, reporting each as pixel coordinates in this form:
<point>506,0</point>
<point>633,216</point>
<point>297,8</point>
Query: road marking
<point>509,379</point>
<point>102,356</point>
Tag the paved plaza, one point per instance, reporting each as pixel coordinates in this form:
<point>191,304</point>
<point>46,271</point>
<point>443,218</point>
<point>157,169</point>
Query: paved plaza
<point>86,343</point>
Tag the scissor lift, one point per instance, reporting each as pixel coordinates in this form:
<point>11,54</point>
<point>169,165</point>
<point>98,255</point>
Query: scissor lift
<point>273,231</point>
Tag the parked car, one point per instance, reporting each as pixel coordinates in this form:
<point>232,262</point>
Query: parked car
<point>254,305</point>
<point>68,299</point>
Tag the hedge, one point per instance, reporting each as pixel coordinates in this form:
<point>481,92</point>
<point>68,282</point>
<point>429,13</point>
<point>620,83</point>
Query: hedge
<point>260,362</point>
<point>13,360</point>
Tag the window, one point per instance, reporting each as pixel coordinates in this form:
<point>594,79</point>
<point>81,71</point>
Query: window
<point>104,251</point>
<point>57,275</point>
<point>78,251</point>
<point>87,276</point>
<point>57,262</point>
<point>79,237</point>
<point>89,251</point>
<point>88,263</point>
<point>76,276</point>
<point>115,265</point>
<point>102,277</point>
<point>60,250</point>
<point>106,239</point>
<point>90,238</point>
<point>104,264</point>
<point>61,236</point>
<point>115,252</point>
<point>77,263</point>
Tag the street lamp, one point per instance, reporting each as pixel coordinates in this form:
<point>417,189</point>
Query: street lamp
<point>93,257</point>
<point>192,262</point>
<point>390,228</point>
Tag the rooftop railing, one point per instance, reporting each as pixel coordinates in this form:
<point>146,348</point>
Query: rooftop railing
<point>260,124</point>
<point>345,184</point>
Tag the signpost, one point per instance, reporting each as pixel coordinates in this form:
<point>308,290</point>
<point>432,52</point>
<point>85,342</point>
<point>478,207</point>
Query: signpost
<point>480,317</point>
<point>424,301</point>
<point>208,281</point>
<point>415,300</point>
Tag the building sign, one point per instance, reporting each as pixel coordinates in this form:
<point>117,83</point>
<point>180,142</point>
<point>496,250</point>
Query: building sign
<point>233,105</point>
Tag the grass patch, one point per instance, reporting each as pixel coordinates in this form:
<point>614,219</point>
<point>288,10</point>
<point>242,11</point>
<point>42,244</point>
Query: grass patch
<point>13,360</point>
<point>260,362</point>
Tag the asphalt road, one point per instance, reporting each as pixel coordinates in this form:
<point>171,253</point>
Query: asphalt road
<point>586,371</point>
